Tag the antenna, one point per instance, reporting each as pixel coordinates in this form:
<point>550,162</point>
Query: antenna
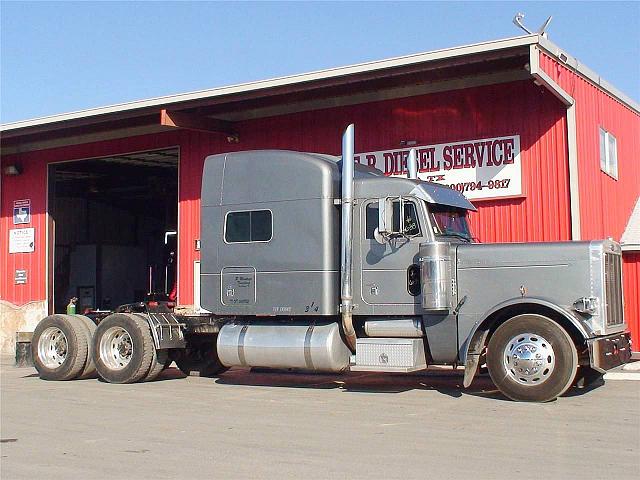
<point>517,20</point>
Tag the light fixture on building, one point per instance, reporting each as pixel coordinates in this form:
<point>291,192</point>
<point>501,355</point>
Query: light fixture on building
<point>12,170</point>
<point>408,143</point>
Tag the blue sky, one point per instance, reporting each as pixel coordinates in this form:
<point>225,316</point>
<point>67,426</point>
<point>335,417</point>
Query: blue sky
<point>65,56</point>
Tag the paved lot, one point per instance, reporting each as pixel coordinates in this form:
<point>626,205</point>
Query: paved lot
<point>276,425</point>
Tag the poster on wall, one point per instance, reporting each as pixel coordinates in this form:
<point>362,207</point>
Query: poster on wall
<point>480,169</point>
<point>21,211</point>
<point>22,240</point>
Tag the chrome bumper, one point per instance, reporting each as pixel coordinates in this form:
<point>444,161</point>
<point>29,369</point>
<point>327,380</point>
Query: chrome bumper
<point>609,352</point>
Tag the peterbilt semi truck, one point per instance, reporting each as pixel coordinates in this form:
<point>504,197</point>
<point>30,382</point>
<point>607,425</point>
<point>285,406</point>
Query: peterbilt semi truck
<point>312,262</point>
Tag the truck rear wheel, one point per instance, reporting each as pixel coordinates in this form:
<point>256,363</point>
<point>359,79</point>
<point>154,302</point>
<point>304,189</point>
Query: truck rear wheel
<point>60,347</point>
<point>89,370</point>
<point>123,348</point>
<point>532,359</point>
<point>158,364</point>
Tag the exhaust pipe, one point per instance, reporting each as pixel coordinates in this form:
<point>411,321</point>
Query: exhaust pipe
<point>412,165</point>
<point>346,290</point>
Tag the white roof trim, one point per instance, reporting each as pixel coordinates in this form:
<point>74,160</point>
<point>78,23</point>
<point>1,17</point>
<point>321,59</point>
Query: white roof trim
<point>631,237</point>
<point>406,60</point>
<point>574,64</point>
<point>280,81</point>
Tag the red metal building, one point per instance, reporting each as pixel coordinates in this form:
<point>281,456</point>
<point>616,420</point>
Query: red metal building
<point>567,145</point>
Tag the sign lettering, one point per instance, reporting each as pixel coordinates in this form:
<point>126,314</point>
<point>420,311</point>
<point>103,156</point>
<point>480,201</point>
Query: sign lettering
<point>485,168</point>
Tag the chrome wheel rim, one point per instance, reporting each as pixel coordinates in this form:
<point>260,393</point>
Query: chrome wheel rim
<point>116,348</point>
<point>529,359</point>
<point>52,347</point>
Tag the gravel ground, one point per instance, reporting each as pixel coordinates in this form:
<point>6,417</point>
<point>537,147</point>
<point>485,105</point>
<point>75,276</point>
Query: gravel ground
<point>281,425</point>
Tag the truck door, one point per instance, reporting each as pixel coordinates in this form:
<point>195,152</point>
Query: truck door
<point>390,272</point>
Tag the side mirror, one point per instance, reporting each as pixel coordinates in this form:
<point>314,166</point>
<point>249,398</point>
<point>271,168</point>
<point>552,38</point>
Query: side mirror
<point>385,216</point>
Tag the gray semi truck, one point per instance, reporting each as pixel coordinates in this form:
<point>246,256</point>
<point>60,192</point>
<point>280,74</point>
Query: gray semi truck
<point>314,263</point>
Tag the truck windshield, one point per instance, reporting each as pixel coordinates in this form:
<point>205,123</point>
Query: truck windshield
<point>450,221</point>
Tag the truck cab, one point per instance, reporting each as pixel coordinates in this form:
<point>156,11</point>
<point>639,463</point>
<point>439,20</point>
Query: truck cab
<point>393,217</point>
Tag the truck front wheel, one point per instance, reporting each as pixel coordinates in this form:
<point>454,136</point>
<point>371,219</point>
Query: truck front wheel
<point>532,359</point>
<point>123,348</point>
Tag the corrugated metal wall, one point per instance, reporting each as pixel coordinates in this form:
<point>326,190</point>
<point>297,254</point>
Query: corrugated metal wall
<point>605,203</point>
<point>631,272</point>
<point>31,184</point>
<point>519,108</point>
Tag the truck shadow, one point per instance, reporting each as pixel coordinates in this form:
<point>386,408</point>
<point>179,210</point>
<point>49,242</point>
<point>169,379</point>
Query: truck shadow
<point>447,383</point>
<point>442,381</point>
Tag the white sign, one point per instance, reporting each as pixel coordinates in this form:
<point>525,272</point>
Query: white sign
<point>20,277</point>
<point>22,240</point>
<point>480,169</point>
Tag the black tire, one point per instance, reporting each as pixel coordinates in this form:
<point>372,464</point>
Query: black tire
<point>201,357</point>
<point>158,364</point>
<point>66,359</point>
<point>543,383</point>
<point>136,362</point>
<point>89,370</point>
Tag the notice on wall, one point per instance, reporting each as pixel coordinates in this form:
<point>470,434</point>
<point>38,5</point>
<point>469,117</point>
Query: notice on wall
<point>22,240</point>
<point>21,211</point>
<point>20,277</point>
<point>480,169</point>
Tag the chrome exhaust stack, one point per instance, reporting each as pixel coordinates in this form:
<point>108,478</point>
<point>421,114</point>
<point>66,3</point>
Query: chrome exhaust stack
<point>412,165</point>
<point>346,287</point>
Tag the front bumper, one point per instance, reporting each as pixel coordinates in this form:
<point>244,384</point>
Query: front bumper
<point>609,352</point>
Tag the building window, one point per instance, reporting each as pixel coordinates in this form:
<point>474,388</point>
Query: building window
<point>248,226</point>
<point>608,153</point>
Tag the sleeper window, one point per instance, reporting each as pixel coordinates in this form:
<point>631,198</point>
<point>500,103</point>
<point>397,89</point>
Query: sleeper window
<point>252,226</point>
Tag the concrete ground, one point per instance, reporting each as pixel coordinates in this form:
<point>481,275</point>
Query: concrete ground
<point>279,425</point>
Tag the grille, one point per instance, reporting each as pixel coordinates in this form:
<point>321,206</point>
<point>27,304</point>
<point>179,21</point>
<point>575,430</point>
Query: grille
<point>613,289</point>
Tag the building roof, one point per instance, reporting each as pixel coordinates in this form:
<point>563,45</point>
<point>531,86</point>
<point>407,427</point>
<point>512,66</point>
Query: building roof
<point>631,237</point>
<point>131,114</point>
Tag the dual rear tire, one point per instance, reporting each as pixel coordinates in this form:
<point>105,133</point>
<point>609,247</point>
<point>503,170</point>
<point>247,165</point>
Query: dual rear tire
<point>61,347</point>
<point>119,350</point>
<point>124,351</point>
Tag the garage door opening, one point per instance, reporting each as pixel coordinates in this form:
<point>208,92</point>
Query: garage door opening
<point>113,223</point>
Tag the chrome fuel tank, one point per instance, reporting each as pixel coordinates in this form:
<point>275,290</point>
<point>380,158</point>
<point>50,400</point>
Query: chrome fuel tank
<point>317,347</point>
